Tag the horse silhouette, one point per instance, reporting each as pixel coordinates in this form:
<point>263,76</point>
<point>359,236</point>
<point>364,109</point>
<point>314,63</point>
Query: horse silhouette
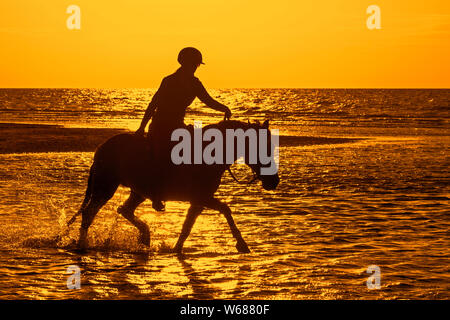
<point>125,159</point>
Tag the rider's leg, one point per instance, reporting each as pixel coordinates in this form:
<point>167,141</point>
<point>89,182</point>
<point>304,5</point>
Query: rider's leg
<point>156,149</point>
<point>157,202</point>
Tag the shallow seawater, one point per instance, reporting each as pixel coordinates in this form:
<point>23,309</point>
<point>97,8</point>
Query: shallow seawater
<point>382,200</point>
<point>345,207</point>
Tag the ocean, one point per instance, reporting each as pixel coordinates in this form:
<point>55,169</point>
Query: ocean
<point>364,181</point>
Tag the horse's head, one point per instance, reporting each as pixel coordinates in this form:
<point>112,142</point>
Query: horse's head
<point>266,166</point>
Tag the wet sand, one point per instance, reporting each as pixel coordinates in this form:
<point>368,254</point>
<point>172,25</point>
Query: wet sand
<point>36,138</point>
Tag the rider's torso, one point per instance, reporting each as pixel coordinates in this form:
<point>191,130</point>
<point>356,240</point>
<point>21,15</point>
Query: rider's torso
<point>176,93</point>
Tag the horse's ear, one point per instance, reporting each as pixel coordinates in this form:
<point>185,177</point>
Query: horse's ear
<point>248,121</point>
<point>265,125</point>
<point>257,123</point>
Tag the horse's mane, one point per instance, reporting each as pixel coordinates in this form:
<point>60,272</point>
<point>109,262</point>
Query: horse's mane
<point>231,124</point>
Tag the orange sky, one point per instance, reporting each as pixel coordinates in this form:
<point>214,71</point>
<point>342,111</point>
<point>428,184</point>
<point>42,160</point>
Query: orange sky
<point>245,43</point>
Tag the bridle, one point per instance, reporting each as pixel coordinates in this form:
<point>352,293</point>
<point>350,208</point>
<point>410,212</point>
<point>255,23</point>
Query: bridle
<point>255,175</point>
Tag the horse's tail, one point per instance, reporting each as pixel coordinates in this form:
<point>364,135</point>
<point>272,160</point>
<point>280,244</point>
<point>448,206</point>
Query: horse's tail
<point>87,197</point>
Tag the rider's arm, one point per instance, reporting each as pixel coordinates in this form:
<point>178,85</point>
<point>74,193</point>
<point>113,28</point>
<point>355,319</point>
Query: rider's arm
<point>150,110</point>
<point>204,97</point>
<point>147,116</point>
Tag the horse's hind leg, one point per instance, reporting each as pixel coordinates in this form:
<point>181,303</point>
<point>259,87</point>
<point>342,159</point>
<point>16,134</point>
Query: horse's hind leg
<point>216,204</point>
<point>193,212</point>
<point>102,190</point>
<point>130,205</point>
<point>87,216</point>
<point>127,211</point>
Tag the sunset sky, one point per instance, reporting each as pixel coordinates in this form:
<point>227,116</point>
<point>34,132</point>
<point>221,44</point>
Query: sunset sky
<point>245,43</point>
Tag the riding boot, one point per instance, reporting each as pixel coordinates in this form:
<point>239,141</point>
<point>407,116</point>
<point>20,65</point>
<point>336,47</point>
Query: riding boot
<point>158,205</point>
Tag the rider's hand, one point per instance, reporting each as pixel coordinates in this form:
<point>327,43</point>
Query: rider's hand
<point>227,113</point>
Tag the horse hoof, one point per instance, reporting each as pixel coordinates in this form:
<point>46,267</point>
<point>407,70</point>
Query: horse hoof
<point>145,240</point>
<point>177,250</point>
<point>81,246</point>
<point>242,247</point>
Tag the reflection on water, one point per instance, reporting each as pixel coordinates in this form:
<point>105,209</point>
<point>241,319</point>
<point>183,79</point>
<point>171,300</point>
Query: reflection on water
<point>293,111</point>
<point>338,209</point>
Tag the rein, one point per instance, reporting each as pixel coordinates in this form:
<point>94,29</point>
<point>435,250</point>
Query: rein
<point>241,182</point>
<point>253,179</point>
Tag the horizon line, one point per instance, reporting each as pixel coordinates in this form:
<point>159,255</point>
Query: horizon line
<point>237,88</point>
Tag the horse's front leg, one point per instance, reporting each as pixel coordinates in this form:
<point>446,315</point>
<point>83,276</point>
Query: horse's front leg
<point>216,204</point>
<point>193,212</point>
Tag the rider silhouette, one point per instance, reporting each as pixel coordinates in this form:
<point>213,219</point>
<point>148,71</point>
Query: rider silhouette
<point>167,110</point>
